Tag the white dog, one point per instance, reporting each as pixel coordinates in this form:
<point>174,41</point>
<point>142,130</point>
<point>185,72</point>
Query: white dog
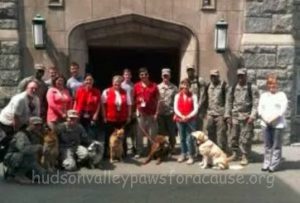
<point>212,154</point>
<point>95,154</point>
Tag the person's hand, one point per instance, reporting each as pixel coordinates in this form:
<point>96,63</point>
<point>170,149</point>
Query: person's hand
<point>95,117</point>
<point>128,119</point>
<point>228,120</point>
<point>250,120</point>
<point>155,116</point>
<point>104,120</point>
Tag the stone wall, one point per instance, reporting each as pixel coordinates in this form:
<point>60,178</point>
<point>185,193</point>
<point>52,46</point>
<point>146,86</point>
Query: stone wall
<point>270,48</point>
<point>9,50</point>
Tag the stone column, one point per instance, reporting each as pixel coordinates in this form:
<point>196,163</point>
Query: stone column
<point>9,50</point>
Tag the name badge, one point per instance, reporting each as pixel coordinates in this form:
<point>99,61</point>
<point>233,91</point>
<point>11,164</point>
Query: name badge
<point>143,104</point>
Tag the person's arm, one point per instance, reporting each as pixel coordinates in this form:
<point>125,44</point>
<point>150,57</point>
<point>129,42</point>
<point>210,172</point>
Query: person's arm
<point>228,102</point>
<point>24,146</point>
<point>96,115</point>
<point>157,97</point>
<point>195,107</point>
<point>176,110</point>
<point>103,103</point>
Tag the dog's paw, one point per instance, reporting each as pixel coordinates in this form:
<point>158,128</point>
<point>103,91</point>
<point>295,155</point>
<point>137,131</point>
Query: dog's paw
<point>201,164</point>
<point>204,166</point>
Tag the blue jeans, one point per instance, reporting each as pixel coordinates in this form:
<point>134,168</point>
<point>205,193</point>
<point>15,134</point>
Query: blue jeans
<point>272,142</point>
<point>186,139</point>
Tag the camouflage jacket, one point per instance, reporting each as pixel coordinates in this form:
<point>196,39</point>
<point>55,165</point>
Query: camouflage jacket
<point>166,99</point>
<point>24,144</point>
<point>216,97</point>
<point>242,102</point>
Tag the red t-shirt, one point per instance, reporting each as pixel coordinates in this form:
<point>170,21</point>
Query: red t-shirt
<point>87,100</point>
<point>146,98</point>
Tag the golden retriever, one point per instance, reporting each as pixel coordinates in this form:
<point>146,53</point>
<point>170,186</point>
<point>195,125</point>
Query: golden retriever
<point>49,158</point>
<point>212,154</point>
<point>116,145</point>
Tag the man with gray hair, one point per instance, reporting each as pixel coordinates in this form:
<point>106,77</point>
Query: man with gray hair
<point>24,153</point>
<point>42,87</point>
<point>167,91</point>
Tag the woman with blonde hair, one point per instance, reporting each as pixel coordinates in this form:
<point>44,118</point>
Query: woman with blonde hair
<point>271,109</point>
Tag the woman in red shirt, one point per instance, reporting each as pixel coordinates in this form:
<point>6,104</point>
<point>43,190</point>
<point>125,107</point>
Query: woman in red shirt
<point>185,108</point>
<point>87,104</point>
<point>59,102</point>
<point>116,109</point>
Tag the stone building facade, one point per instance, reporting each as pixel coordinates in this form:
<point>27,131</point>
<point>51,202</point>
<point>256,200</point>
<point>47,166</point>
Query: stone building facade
<point>104,36</point>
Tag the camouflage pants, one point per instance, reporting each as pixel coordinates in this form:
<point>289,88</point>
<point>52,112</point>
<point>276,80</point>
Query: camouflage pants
<point>216,128</point>
<point>240,136</point>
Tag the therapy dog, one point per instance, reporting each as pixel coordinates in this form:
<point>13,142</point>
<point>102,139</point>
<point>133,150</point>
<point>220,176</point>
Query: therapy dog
<point>116,145</point>
<point>95,154</point>
<point>212,154</point>
<point>49,159</point>
<point>159,150</point>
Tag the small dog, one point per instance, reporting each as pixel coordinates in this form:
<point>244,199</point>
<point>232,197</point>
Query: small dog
<point>95,154</point>
<point>211,153</point>
<point>49,159</point>
<point>116,145</point>
<point>160,149</point>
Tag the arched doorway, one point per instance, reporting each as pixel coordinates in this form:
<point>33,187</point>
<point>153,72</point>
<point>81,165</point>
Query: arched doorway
<point>106,47</point>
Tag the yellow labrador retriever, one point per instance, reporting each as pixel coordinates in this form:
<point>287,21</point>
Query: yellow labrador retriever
<point>212,154</point>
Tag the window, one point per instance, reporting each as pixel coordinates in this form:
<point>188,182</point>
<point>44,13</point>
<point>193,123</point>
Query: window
<point>56,3</point>
<point>208,4</point>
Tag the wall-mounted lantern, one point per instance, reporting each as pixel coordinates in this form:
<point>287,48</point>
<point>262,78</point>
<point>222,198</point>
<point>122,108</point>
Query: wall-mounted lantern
<point>39,32</point>
<point>221,36</point>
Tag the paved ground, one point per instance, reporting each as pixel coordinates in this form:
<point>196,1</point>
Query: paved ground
<point>169,182</point>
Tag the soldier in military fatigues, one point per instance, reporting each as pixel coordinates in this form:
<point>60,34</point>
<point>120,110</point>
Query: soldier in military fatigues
<point>22,158</point>
<point>216,97</point>
<point>167,91</point>
<point>241,110</point>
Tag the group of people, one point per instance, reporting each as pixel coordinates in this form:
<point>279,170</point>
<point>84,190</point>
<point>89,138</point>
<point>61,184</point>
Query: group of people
<point>146,109</point>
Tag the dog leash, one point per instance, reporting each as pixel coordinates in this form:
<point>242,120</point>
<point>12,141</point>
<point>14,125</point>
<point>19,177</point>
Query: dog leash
<point>146,134</point>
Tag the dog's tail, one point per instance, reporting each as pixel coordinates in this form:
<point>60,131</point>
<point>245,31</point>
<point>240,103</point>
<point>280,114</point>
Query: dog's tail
<point>235,167</point>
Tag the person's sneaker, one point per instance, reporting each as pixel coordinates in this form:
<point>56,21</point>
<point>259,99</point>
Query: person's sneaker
<point>271,170</point>
<point>137,156</point>
<point>264,169</point>
<point>244,160</point>
<point>181,158</point>
<point>190,161</point>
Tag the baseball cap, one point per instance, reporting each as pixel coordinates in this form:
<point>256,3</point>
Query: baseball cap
<point>35,120</point>
<point>72,114</point>
<point>214,72</point>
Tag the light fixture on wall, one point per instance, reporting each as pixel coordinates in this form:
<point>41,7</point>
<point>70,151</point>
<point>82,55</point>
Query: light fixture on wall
<point>39,32</point>
<point>221,36</point>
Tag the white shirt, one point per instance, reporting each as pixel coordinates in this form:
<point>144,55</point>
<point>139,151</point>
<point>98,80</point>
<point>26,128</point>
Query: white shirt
<point>19,106</point>
<point>73,84</point>
<point>271,105</point>
<point>195,105</point>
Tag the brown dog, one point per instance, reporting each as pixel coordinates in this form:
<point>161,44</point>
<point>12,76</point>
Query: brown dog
<point>212,154</point>
<point>49,158</point>
<point>116,145</point>
<point>160,149</point>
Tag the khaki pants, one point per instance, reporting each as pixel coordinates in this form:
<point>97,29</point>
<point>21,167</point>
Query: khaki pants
<point>216,128</point>
<point>149,124</point>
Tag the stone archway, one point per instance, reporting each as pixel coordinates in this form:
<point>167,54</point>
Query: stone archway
<point>136,32</point>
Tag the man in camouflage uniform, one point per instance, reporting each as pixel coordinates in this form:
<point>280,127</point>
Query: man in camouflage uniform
<point>216,97</point>
<point>241,110</point>
<point>167,91</point>
<point>197,87</point>
<point>25,149</point>
<point>73,142</point>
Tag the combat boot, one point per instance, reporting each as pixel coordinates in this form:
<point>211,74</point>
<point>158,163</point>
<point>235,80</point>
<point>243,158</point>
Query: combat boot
<point>244,160</point>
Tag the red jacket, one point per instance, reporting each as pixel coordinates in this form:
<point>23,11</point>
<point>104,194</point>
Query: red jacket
<point>147,95</point>
<point>184,106</point>
<point>113,112</point>
<point>87,100</point>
